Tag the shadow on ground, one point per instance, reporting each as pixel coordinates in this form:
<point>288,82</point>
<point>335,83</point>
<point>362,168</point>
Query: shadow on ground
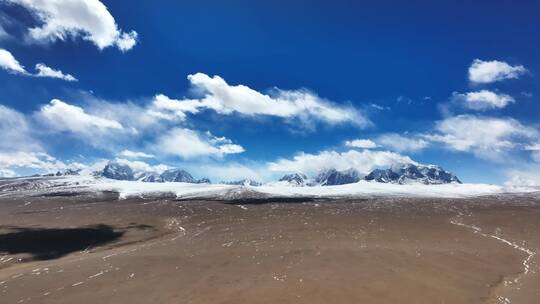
<point>46,244</point>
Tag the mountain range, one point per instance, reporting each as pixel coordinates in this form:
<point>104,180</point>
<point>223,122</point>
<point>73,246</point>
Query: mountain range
<point>118,171</point>
<point>409,173</point>
<point>401,174</point>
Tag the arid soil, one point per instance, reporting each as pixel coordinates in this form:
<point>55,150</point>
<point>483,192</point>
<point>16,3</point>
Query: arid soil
<point>97,249</point>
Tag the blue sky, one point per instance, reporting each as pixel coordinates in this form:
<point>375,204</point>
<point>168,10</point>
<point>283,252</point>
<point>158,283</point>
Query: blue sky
<point>275,87</point>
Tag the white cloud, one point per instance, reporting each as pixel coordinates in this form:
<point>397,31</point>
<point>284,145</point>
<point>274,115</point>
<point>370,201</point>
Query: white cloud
<point>483,100</point>
<point>532,147</point>
<point>88,127</point>
<point>89,19</point>
<point>231,149</point>
<point>126,41</point>
<point>7,173</point>
<point>140,166</point>
<point>491,71</point>
<point>361,143</point>
<point>34,160</point>
<point>45,71</point>
<point>401,143</point>
<point>135,154</point>
<point>379,107</point>
<point>130,115</point>
<point>16,133</point>
<point>170,109</point>
<point>524,177</point>
<point>188,143</point>
<point>363,161</point>
<point>10,64</point>
<point>65,117</point>
<point>19,148</point>
<point>3,33</point>
<point>527,173</point>
<point>226,99</point>
<point>230,172</point>
<point>486,137</point>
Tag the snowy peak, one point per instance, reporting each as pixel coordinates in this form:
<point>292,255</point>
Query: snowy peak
<point>172,175</point>
<point>150,177</point>
<point>410,173</point>
<point>333,177</point>
<point>296,179</point>
<point>69,172</point>
<point>203,180</point>
<point>119,171</point>
<point>177,175</point>
<point>243,182</point>
<point>115,170</point>
<point>382,176</point>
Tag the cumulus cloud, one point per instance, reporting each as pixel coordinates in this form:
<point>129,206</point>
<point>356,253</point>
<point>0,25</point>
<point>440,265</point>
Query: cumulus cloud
<point>170,109</point>
<point>135,154</point>
<point>483,100</point>
<point>363,161</point>
<point>485,137</point>
<point>45,71</point>
<point>188,143</point>
<point>139,166</point>
<point>401,143</point>
<point>491,71</point>
<point>116,126</point>
<point>10,64</point>
<point>226,99</point>
<point>66,117</point>
<point>361,143</point>
<point>88,19</point>
<point>90,128</point>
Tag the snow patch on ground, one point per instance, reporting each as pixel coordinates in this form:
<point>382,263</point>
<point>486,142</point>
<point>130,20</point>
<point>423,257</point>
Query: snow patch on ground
<point>365,188</point>
<point>181,190</point>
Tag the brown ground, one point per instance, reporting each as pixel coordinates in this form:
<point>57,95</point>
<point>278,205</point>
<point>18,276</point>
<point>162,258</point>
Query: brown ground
<point>100,250</point>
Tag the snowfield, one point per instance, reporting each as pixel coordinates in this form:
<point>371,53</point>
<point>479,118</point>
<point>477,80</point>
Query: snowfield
<point>362,188</point>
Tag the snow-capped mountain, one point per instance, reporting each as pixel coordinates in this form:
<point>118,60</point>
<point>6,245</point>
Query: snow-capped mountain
<point>410,173</point>
<point>66,172</point>
<point>150,177</point>
<point>244,182</point>
<point>402,174</point>
<point>382,176</point>
<point>295,179</point>
<point>177,175</point>
<point>203,180</point>
<point>115,170</point>
<point>332,177</point>
<point>172,175</point>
